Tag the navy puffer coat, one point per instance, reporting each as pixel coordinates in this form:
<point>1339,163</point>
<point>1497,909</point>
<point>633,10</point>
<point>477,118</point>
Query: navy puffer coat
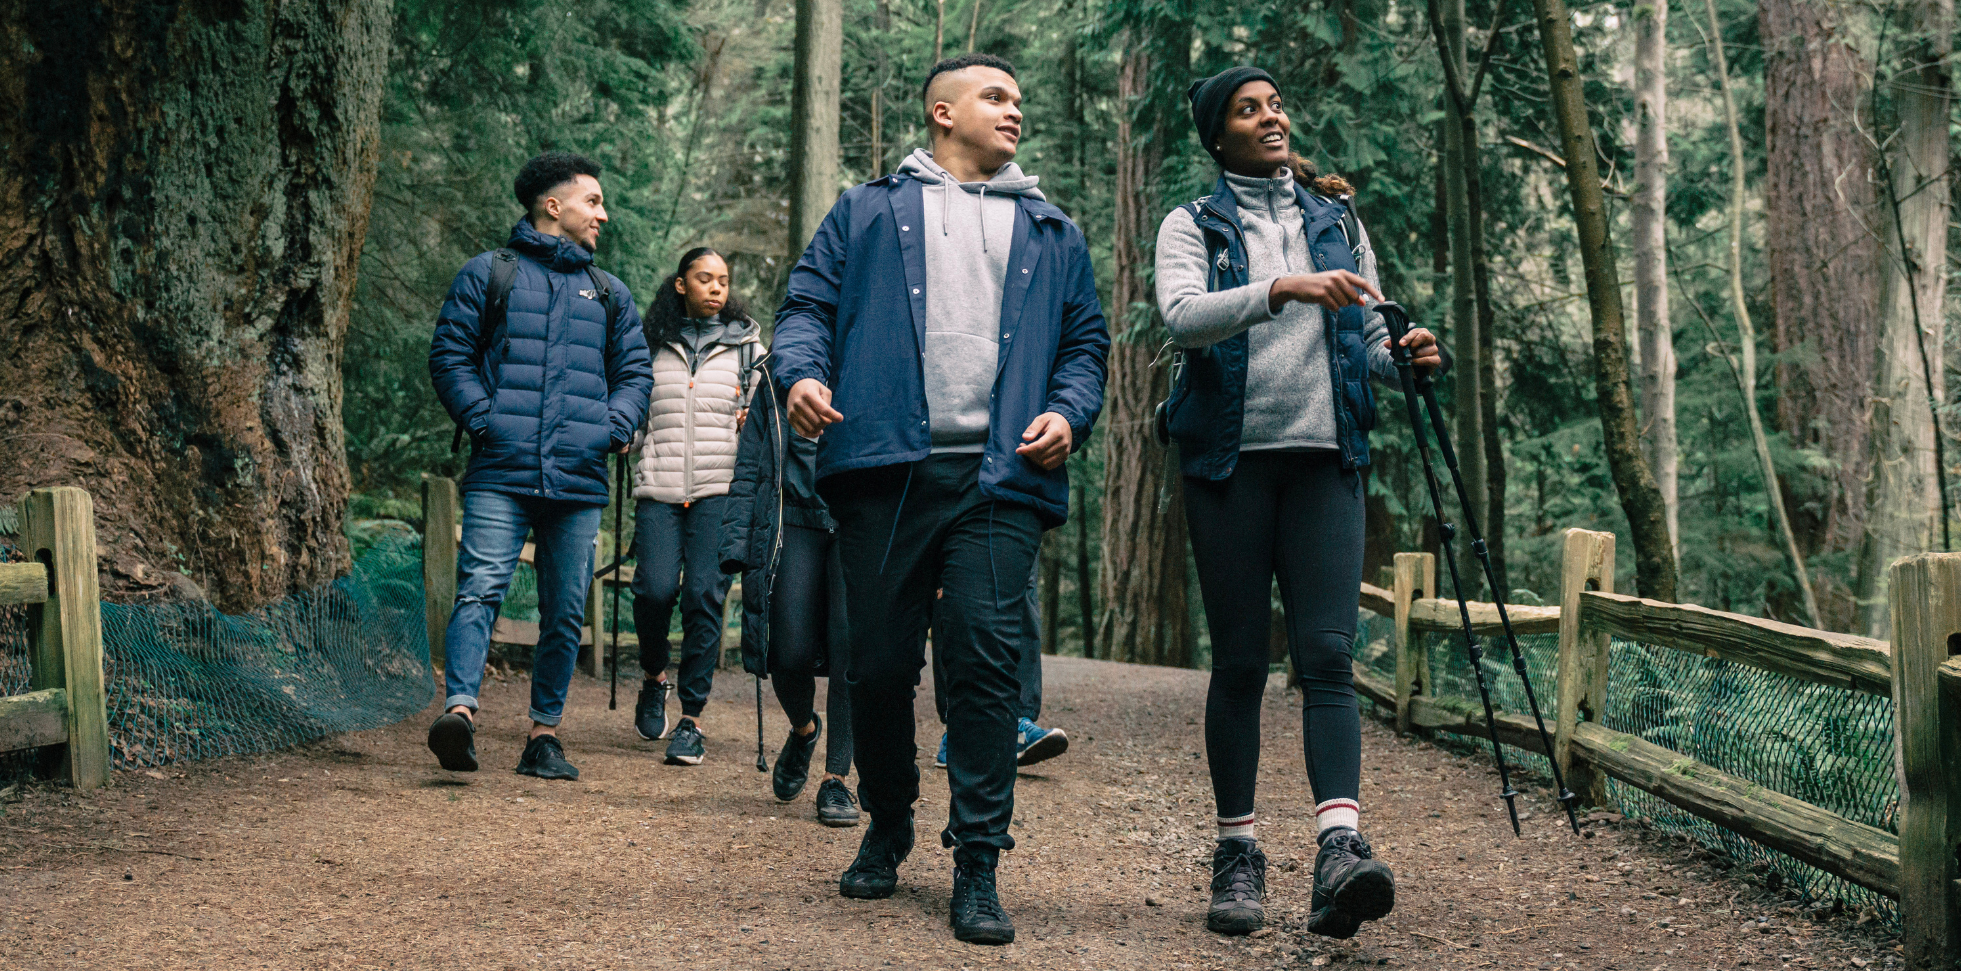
<point>541,407</point>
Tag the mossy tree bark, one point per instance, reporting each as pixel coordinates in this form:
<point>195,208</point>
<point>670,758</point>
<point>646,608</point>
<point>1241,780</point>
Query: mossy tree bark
<point>1647,515</point>
<point>186,194</point>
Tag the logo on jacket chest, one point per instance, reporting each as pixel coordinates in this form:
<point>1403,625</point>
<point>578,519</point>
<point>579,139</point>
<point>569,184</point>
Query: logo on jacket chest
<point>589,294</point>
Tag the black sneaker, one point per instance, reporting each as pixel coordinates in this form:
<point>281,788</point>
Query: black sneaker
<point>453,738</point>
<point>875,873</point>
<point>685,748</point>
<point>650,712</point>
<point>976,910</point>
<point>1238,887</point>
<point>793,763</point>
<point>544,758</point>
<point>1350,885</point>
<point>835,806</point>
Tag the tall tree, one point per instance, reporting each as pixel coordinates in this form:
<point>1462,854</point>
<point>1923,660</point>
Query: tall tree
<point>814,118</point>
<point>188,192</point>
<point>1824,261</point>
<point>1143,613</point>
<point>1647,517</point>
<point>1746,332</point>
<point>1905,511</point>
<point>884,25</point>
<point>1650,245</point>
<point>1460,141</point>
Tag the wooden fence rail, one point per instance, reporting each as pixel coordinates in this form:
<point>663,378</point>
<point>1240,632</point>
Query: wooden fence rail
<point>65,707</point>
<point>1918,669</point>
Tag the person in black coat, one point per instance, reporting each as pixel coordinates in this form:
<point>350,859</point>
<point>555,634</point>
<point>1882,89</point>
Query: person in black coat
<point>780,536</point>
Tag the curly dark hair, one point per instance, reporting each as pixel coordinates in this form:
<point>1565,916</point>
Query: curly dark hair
<point>664,317</point>
<point>546,172</point>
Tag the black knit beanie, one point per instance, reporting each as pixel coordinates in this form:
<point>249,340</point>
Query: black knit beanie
<point>1210,98</point>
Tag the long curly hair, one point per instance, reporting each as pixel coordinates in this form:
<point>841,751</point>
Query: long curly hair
<point>1309,174</point>
<point>669,311</point>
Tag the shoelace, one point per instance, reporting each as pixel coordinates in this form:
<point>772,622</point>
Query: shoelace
<point>1242,869</point>
<point>981,901</point>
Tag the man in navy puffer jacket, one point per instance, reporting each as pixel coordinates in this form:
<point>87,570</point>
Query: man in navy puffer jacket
<point>544,398</point>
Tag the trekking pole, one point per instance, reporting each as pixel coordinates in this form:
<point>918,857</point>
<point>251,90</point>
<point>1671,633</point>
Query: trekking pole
<point>619,557</point>
<point>762,765</point>
<point>1415,385</point>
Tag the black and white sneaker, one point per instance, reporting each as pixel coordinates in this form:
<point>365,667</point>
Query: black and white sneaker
<point>874,875</point>
<point>650,712</point>
<point>544,758</point>
<point>835,805</point>
<point>793,762</point>
<point>1238,887</point>
<point>976,911</point>
<point>685,748</point>
<point>453,738</point>
<point>1350,885</point>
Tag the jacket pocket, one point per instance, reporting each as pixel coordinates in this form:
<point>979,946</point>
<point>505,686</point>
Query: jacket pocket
<point>1361,403</point>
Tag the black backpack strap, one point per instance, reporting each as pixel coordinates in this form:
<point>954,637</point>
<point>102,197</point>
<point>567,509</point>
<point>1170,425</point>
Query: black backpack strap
<point>491,316</point>
<point>1351,227</point>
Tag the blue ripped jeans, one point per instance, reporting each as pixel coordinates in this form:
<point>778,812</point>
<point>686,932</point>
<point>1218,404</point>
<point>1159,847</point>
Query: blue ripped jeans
<point>495,525</point>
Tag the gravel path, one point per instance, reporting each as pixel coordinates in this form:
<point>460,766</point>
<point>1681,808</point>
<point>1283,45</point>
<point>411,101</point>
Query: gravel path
<point>360,853</point>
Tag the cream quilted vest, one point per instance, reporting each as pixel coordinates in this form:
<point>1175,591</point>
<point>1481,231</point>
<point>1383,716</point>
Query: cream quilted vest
<point>686,449</point>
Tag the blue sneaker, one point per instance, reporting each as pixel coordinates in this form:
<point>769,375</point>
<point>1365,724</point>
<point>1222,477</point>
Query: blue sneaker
<point>1036,744</point>
<point>939,761</point>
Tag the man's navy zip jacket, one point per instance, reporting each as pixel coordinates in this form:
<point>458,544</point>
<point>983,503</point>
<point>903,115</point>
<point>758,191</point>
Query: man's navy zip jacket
<point>541,407</point>
<point>855,319</point>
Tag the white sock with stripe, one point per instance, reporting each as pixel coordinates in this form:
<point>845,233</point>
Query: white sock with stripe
<point>1337,814</point>
<point>1238,827</point>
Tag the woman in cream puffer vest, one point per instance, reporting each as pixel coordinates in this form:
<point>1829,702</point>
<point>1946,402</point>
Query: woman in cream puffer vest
<point>705,350</point>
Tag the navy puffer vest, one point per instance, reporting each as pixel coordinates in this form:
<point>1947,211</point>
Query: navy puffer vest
<point>1208,403</point>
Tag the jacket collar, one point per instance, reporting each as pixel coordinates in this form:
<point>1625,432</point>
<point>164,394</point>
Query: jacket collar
<point>557,253</point>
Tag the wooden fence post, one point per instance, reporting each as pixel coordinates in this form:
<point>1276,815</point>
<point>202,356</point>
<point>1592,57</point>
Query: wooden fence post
<point>1587,563</point>
<point>439,511</point>
<point>1926,603</point>
<point>1415,578</point>
<point>58,528</point>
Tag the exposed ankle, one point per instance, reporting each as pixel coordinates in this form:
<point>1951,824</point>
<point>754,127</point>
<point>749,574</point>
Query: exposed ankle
<point>808,730</point>
<point>465,711</point>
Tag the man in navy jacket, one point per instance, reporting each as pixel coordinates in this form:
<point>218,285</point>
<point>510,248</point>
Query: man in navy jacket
<point>942,333</point>
<point>544,394</point>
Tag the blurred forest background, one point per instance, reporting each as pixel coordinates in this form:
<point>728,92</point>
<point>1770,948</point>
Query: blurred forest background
<point>1770,179</point>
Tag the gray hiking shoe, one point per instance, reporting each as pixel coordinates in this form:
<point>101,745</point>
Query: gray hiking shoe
<point>1238,887</point>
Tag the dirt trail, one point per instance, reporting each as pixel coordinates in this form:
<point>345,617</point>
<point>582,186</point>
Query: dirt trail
<point>360,853</point>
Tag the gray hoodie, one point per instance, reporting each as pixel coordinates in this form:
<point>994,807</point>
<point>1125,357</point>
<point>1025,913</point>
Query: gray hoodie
<point>969,231</point>
<point>1289,401</point>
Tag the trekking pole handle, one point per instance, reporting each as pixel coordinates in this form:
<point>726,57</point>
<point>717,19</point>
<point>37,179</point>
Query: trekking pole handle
<point>1398,322</point>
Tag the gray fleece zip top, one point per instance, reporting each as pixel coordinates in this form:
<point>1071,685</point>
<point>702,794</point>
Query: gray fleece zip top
<point>969,229</point>
<point>1289,401</point>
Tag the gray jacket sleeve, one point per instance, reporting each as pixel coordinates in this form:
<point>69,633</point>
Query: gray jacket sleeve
<point>1194,317</point>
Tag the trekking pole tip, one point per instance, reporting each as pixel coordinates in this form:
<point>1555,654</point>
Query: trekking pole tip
<point>1510,796</point>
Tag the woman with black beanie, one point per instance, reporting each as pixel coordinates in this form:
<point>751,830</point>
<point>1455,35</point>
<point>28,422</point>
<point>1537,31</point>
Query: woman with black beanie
<point>1262,283</point>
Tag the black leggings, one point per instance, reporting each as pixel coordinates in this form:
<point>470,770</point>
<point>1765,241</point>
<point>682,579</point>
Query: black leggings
<point>803,608</point>
<point>1298,516</point>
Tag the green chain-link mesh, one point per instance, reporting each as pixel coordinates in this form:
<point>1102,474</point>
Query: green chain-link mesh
<point>187,682</point>
<point>1831,747</point>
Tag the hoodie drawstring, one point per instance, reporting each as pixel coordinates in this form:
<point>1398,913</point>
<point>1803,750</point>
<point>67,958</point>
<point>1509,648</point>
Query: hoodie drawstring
<point>980,210</point>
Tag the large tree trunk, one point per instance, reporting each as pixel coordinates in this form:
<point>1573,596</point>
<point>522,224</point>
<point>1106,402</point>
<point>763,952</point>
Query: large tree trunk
<point>1141,599</point>
<point>1746,333</point>
<point>1647,516</point>
<point>884,23</point>
<point>814,118</point>
<point>1903,506</point>
<point>1650,246</point>
<point>1824,262</point>
<point>186,194</point>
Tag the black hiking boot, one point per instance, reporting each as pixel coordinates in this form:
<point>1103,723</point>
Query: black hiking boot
<point>1238,887</point>
<point>835,807</point>
<point>650,712</point>
<point>976,909</point>
<point>686,748</point>
<point>453,738</point>
<point>544,758</point>
<point>793,763</point>
<point>875,873</point>
<point>1350,885</point>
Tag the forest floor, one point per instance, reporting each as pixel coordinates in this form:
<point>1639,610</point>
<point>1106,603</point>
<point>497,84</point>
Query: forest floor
<point>359,853</point>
